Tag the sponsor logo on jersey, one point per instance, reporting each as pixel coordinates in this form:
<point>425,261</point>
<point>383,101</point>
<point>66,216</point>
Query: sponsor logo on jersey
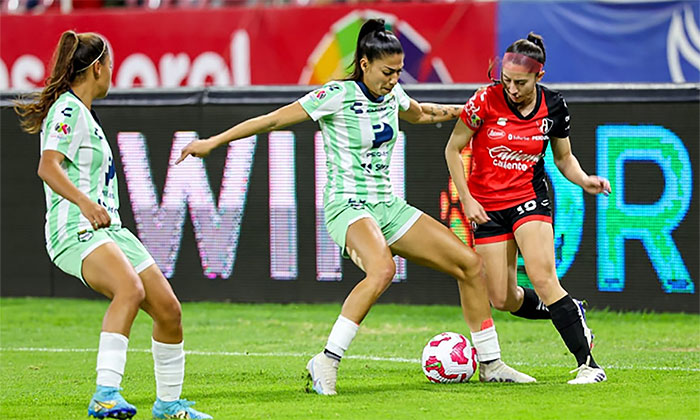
<point>495,133</point>
<point>357,204</point>
<point>62,128</point>
<point>527,138</point>
<point>507,158</point>
<point>382,134</point>
<point>502,121</point>
<point>546,125</point>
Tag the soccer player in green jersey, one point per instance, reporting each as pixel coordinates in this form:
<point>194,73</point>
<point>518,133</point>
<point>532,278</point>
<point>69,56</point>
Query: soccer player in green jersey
<point>359,122</point>
<point>84,234</point>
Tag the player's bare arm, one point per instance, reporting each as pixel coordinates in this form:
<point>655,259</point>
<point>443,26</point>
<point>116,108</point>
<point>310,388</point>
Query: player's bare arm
<point>429,113</point>
<point>460,137</point>
<point>570,167</point>
<point>280,118</point>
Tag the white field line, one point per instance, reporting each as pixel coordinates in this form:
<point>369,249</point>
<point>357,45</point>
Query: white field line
<point>353,357</point>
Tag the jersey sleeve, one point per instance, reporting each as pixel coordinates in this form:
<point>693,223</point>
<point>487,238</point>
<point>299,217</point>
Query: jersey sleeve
<point>561,118</point>
<point>475,110</point>
<point>326,100</point>
<point>402,97</point>
<point>63,130</point>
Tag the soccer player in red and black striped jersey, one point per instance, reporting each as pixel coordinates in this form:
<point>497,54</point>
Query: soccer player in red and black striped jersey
<point>509,125</point>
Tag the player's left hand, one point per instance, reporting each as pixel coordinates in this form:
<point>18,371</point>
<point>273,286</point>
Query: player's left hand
<point>596,185</point>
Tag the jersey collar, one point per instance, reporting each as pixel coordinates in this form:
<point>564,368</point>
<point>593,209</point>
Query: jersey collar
<point>515,111</point>
<point>92,111</point>
<point>368,94</point>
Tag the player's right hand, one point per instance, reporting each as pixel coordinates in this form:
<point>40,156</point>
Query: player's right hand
<point>197,148</point>
<point>96,214</point>
<point>474,211</point>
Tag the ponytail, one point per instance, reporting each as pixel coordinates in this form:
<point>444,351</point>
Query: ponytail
<point>373,42</point>
<point>72,53</point>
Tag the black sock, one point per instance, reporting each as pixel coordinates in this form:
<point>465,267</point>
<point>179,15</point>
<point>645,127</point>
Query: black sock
<point>566,319</point>
<point>331,355</point>
<point>532,307</point>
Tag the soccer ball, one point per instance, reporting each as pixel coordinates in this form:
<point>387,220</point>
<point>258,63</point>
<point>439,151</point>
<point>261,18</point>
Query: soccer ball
<point>448,358</point>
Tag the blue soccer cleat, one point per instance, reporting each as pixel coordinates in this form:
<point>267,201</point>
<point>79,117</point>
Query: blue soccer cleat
<point>108,403</point>
<point>178,409</point>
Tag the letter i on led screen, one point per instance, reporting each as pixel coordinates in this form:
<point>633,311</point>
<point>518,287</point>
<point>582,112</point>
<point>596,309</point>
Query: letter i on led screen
<point>283,206</point>
<point>328,266</point>
<point>397,173</point>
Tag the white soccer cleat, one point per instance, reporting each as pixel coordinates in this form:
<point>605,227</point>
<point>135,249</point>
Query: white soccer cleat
<point>586,331</point>
<point>588,374</point>
<point>323,373</point>
<point>498,371</point>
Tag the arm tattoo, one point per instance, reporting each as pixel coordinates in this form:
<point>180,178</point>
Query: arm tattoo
<point>440,112</point>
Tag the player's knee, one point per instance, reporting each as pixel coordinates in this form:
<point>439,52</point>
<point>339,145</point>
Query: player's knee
<point>382,275</point>
<point>542,279</point>
<point>499,301</point>
<point>132,295</point>
<point>170,313</point>
<point>469,267</point>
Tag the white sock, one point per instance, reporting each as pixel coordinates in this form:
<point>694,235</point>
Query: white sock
<point>169,367</point>
<point>341,335</point>
<point>486,344</point>
<point>111,358</point>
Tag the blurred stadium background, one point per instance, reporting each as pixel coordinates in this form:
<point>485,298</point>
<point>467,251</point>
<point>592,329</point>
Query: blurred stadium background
<point>629,70</point>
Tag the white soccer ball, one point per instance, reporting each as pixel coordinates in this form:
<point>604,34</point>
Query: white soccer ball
<point>449,358</point>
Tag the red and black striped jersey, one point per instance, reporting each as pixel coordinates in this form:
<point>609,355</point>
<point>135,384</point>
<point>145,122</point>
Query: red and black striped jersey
<point>508,148</point>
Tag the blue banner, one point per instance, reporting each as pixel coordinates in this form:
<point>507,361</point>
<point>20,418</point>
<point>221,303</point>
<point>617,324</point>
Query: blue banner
<point>609,42</point>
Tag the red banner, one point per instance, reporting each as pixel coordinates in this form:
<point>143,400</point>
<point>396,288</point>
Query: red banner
<point>242,46</point>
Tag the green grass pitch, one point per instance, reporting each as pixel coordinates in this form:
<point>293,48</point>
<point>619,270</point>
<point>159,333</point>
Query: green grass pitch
<point>246,362</point>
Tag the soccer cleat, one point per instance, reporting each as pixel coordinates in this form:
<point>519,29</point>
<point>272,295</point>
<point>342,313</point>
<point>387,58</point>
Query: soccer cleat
<point>588,374</point>
<point>498,371</point>
<point>178,409</point>
<point>323,373</point>
<point>108,403</point>
<point>586,331</point>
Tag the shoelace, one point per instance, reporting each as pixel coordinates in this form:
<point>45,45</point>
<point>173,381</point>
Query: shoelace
<point>583,366</point>
<point>329,370</point>
<point>183,404</point>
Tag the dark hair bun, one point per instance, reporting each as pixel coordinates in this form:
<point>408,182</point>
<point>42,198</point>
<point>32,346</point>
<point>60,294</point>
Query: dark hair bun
<point>372,25</point>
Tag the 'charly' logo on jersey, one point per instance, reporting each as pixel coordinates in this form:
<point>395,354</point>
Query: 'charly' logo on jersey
<point>62,128</point>
<point>546,125</point>
<point>382,134</point>
<point>356,107</point>
<point>495,133</point>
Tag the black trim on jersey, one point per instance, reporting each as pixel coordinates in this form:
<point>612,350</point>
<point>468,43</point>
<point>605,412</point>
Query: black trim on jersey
<point>557,112</point>
<point>368,94</point>
<point>517,113</point>
<point>539,180</point>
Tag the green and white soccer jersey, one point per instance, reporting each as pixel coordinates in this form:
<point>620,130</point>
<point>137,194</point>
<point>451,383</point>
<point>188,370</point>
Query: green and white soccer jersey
<point>359,135</point>
<point>71,129</point>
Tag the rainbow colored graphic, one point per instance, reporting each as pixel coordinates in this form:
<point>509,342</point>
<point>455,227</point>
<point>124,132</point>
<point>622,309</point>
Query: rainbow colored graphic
<point>332,57</point>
